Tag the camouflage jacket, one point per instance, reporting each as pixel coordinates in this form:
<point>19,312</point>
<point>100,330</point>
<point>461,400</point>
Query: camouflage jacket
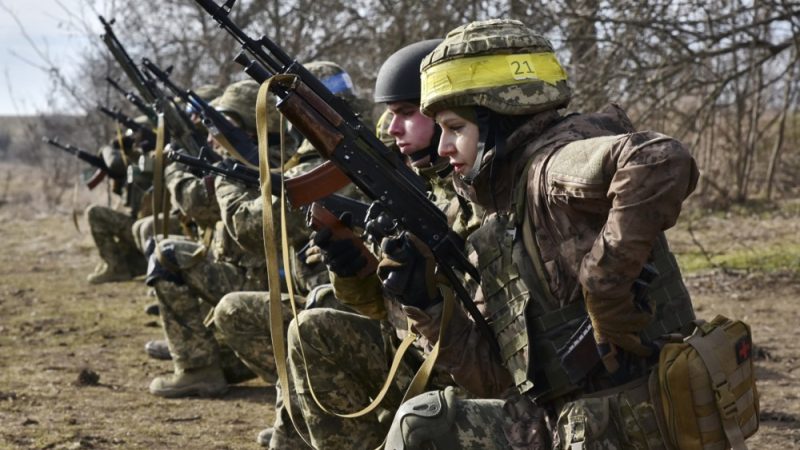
<point>592,232</point>
<point>191,196</point>
<point>242,209</point>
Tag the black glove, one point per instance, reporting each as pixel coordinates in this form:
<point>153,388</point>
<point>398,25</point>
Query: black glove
<point>342,257</point>
<point>407,272</point>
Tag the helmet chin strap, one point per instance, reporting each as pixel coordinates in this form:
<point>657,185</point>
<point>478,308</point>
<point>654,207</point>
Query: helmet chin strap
<point>485,140</point>
<point>431,150</point>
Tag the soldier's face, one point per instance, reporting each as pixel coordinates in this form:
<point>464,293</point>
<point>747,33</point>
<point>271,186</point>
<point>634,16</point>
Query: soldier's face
<point>412,131</point>
<point>459,141</point>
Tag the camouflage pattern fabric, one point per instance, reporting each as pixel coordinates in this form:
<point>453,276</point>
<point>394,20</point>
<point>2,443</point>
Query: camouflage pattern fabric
<point>441,420</point>
<point>241,321</point>
<point>643,165</point>
<point>113,237</point>
<point>623,419</point>
<point>191,196</point>
<point>144,228</point>
<point>208,92</point>
<point>347,357</point>
<point>239,100</point>
<point>191,343</point>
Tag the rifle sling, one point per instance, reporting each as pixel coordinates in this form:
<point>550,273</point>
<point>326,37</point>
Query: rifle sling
<point>230,148</point>
<point>276,321</point>
<point>158,182</point>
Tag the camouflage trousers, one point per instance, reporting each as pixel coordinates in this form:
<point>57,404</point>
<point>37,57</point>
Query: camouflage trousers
<point>144,229</point>
<point>241,320</point>
<point>346,357</point>
<point>111,231</point>
<point>441,420</point>
<point>191,343</point>
<point>622,418</point>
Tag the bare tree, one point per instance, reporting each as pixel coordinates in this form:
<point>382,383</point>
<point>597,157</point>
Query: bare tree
<point>718,74</point>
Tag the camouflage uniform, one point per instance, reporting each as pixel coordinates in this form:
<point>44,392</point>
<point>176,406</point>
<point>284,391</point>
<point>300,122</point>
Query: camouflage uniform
<point>595,200</point>
<point>195,271</point>
<point>347,356</point>
<point>242,319</point>
<point>111,231</point>
<point>144,229</point>
<point>183,270</point>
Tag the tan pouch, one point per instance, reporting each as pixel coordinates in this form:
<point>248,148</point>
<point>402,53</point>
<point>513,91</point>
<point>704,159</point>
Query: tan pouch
<point>706,387</point>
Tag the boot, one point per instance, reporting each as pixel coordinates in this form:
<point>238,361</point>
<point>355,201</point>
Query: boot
<point>158,349</point>
<point>108,273</point>
<point>203,382</point>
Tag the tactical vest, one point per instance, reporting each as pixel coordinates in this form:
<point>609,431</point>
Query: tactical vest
<point>529,331</point>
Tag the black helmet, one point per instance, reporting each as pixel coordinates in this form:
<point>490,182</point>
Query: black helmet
<point>398,77</point>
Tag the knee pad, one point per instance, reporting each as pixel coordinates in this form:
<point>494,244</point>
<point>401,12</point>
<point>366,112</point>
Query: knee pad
<point>424,419</point>
<point>158,268</point>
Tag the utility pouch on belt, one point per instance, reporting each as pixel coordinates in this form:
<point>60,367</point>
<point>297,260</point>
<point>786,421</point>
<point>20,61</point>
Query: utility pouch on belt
<point>707,388</point>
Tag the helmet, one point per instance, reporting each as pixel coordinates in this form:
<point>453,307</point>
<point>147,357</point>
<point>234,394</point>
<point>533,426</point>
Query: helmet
<point>336,79</point>
<point>239,101</point>
<point>207,92</point>
<point>398,77</point>
<point>499,64</point>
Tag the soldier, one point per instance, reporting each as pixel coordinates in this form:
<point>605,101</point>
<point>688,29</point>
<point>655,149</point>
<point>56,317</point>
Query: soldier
<point>576,210</point>
<point>182,270</point>
<point>347,355</point>
<point>242,318</point>
<point>111,229</point>
<point>176,224</point>
<point>143,228</point>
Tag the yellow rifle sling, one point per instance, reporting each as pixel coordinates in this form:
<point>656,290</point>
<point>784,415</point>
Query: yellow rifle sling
<point>158,181</point>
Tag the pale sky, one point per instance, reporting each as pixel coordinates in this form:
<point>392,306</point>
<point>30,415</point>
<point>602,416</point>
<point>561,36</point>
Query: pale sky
<point>46,22</point>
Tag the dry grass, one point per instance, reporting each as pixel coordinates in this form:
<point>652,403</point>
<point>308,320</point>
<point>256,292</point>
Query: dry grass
<point>53,326</point>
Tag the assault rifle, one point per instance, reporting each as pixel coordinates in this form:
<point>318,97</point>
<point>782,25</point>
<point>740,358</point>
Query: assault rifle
<point>237,172</point>
<point>93,160</point>
<point>340,136</point>
<point>146,133</point>
<point>137,101</point>
<point>176,121</point>
<point>233,138</point>
<point>227,168</point>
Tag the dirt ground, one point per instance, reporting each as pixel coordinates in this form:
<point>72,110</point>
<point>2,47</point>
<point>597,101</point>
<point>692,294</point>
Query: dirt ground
<point>56,330</point>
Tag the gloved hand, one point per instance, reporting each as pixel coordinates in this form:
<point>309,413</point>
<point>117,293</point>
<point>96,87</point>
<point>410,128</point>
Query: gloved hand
<point>617,323</point>
<point>342,257</point>
<point>407,272</point>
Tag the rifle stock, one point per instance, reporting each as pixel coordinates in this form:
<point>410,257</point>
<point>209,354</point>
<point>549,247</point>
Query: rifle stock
<point>97,177</point>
